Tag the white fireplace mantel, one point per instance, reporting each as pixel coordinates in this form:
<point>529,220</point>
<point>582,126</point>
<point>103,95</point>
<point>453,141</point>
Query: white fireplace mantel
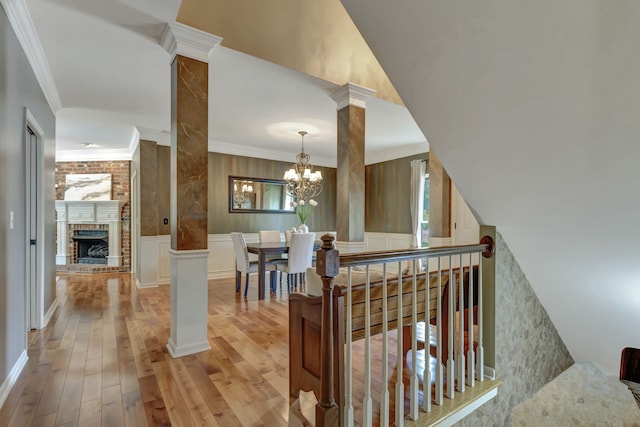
<point>89,212</point>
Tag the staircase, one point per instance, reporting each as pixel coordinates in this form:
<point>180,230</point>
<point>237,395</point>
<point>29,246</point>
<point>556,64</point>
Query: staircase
<point>581,395</point>
<point>630,371</point>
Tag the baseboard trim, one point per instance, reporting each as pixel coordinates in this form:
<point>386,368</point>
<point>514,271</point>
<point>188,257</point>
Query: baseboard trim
<point>185,350</point>
<point>15,372</point>
<point>141,285</point>
<point>49,315</point>
<point>222,274</point>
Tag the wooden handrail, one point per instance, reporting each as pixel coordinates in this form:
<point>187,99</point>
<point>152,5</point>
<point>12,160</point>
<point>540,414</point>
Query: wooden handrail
<point>487,247</point>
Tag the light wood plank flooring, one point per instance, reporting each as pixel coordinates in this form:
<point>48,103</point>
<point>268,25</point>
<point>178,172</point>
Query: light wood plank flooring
<point>102,361</point>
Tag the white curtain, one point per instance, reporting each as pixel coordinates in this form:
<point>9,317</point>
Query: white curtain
<point>416,199</point>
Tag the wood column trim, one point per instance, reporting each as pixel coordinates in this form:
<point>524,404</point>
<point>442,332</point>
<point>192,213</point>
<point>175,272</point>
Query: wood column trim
<point>350,174</point>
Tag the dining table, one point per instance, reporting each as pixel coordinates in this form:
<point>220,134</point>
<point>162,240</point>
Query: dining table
<point>266,250</point>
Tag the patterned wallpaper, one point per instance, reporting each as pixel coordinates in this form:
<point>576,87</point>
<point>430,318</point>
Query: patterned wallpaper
<point>529,351</point>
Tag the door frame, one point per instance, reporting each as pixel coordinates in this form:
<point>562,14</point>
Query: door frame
<point>34,274</point>
<point>133,223</point>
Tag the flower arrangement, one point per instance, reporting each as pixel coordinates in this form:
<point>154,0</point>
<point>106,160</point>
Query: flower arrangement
<point>303,209</point>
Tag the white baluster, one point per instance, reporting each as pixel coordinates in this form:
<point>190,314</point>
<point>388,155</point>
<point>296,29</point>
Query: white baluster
<point>399,382</point>
<point>450,332</point>
<point>460,351</point>
<point>439,366</point>
<point>426,374</point>
<point>348,383</point>
<point>470,351</point>
<point>384,391</point>
<point>367,404</point>
<point>480,348</point>
<point>413,383</point>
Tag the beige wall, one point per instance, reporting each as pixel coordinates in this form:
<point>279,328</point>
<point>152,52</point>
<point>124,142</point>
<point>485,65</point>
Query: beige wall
<point>221,221</point>
<point>386,199</point>
<point>315,37</point>
<point>19,88</point>
<point>149,182</point>
<point>387,195</point>
<point>221,166</point>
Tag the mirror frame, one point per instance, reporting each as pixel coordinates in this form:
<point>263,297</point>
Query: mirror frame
<point>264,180</point>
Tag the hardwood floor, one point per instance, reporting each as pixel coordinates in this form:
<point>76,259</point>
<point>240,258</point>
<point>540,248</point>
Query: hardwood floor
<point>102,361</point>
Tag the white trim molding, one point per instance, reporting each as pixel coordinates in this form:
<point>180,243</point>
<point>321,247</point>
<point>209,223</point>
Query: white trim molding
<point>15,372</point>
<point>189,302</point>
<point>98,154</point>
<point>22,24</point>
<point>180,39</point>
<point>352,94</point>
<point>149,261</point>
<point>155,259</point>
<point>471,407</point>
<point>49,314</point>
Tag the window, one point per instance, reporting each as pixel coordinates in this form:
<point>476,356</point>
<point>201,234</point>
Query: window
<point>425,213</point>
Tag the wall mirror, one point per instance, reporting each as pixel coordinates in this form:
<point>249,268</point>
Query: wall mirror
<point>258,195</point>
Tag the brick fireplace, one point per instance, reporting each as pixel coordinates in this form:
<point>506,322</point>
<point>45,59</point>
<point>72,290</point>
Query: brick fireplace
<point>94,221</point>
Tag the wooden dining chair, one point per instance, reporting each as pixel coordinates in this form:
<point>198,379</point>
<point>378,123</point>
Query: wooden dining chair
<point>300,257</point>
<point>243,265</point>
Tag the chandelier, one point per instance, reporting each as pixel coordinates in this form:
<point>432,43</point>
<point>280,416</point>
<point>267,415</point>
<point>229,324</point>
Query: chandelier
<point>302,182</point>
<point>242,194</point>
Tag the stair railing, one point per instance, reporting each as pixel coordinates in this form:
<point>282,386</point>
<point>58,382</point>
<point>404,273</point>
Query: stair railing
<point>461,267</point>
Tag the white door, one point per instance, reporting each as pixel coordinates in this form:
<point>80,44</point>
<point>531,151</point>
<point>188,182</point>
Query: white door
<point>34,232</point>
<point>466,229</point>
<point>32,212</point>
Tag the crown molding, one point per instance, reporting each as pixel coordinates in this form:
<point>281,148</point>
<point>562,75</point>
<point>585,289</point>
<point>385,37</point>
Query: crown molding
<point>180,39</point>
<point>134,141</point>
<point>352,94</point>
<point>93,155</point>
<point>22,24</point>
<point>397,152</point>
<point>246,151</point>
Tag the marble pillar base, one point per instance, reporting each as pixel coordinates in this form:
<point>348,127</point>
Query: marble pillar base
<point>189,300</point>
<point>63,259</point>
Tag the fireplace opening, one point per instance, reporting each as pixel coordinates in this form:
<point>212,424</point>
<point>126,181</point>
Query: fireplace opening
<point>92,246</point>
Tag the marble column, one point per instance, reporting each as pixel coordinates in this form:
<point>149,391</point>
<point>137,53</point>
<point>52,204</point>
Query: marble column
<point>148,273</point>
<point>189,49</point>
<point>351,102</point>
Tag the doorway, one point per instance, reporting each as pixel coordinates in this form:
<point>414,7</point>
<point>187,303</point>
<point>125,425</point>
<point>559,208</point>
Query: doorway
<point>34,257</point>
<point>133,224</point>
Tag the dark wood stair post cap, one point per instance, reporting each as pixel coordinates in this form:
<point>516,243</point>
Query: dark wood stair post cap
<point>328,257</point>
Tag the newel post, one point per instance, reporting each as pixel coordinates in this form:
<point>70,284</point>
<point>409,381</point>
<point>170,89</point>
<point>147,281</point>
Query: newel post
<point>327,266</point>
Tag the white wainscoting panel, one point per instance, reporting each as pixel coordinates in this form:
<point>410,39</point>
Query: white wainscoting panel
<point>222,261</point>
<point>164,263</point>
<point>156,264</point>
<point>149,258</point>
<point>387,241</point>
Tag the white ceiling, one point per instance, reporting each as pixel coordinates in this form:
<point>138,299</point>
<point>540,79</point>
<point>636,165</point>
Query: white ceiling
<point>533,109</point>
<point>113,80</point>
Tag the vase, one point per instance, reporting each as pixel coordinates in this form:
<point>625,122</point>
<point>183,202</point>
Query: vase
<point>302,228</point>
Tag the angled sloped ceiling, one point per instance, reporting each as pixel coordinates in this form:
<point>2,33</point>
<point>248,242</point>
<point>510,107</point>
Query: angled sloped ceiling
<point>315,37</point>
<point>534,109</point>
